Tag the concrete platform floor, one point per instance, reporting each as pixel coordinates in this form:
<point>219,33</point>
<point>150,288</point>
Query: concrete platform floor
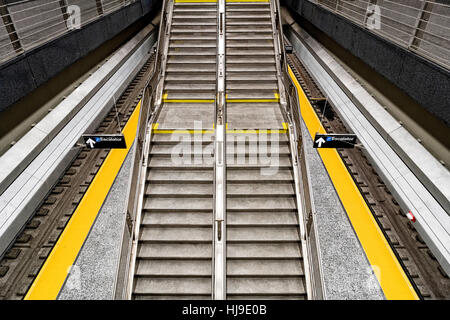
<point>346,272</point>
<point>93,275</point>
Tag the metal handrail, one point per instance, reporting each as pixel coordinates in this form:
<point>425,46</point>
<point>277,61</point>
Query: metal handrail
<point>29,25</point>
<point>422,25</point>
<point>292,113</point>
<point>150,107</point>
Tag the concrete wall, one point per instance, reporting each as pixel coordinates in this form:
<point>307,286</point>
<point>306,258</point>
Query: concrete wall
<point>425,82</point>
<point>25,73</point>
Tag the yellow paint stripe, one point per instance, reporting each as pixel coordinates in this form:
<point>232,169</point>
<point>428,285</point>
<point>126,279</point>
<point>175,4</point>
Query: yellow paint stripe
<point>247,0</point>
<point>276,99</point>
<point>393,280</point>
<point>51,277</point>
<point>189,1</point>
<point>187,101</point>
<point>156,129</point>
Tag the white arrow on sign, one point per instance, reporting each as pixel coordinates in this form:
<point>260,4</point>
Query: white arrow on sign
<point>91,143</point>
<point>320,142</point>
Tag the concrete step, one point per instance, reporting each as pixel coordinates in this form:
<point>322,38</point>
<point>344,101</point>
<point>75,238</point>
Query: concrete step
<point>179,67</point>
<point>243,12</point>
<point>247,5</point>
<point>177,218</point>
<point>266,297</point>
<point>258,23</point>
<point>235,59</point>
<point>189,86</point>
<point>237,190</point>
<point>197,43</point>
<point>177,175</point>
<point>249,28</point>
<point>237,94</point>
<point>238,65</point>
<point>254,175</point>
<point>247,148</point>
<point>183,77</point>
<point>241,162</point>
<point>239,140</point>
<point>260,218</point>
<point>192,36</point>
<point>180,163</point>
<point>249,36</point>
<point>194,15</point>
<point>192,28</point>
<point>264,268</point>
<point>257,204</point>
<point>184,143</point>
<point>172,286</point>
<point>248,15</point>
<point>179,190</point>
<point>192,59</point>
<point>168,141</point>
<point>258,77</point>
<point>176,234</point>
<point>264,250</point>
<point>265,286</point>
<point>172,297</point>
<point>179,31</point>
<point>251,85</point>
<point>189,95</point>
<point>193,23</point>
<point>192,51</point>
<point>170,268</point>
<point>175,252</point>
<point>184,204</point>
<point>266,234</point>
<point>252,52</point>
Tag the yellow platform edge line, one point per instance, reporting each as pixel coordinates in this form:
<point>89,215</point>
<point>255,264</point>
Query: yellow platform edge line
<point>52,275</point>
<point>390,274</point>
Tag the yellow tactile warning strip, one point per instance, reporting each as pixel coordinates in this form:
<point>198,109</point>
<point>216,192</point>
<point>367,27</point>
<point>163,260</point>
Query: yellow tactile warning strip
<point>155,129</point>
<point>393,280</point>
<point>246,0</point>
<point>275,99</point>
<point>167,100</point>
<point>52,275</point>
<point>193,1</point>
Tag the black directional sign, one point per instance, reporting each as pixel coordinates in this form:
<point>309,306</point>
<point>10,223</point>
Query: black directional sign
<point>105,141</point>
<point>334,141</point>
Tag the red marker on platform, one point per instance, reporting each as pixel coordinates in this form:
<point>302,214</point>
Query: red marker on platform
<point>411,216</point>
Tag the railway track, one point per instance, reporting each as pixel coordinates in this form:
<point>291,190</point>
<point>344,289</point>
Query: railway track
<point>420,265</point>
<point>22,262</point>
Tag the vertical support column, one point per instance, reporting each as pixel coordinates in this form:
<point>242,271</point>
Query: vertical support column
<point>421,24</point>
<point>63,6</point>
<point>99,7</point>
<point>220,262</point>
<point>338,6</point>
<point>10,28</point>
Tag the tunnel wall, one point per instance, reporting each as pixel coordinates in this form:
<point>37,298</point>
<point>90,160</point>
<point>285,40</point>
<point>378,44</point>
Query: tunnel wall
<point>26,72</point>
<point>424,81</point>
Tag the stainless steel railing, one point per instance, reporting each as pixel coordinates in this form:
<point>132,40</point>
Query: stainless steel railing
<point>292,113</point>
<point>422,26</point>
<point>29,23</point>
<point>150,107</point>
